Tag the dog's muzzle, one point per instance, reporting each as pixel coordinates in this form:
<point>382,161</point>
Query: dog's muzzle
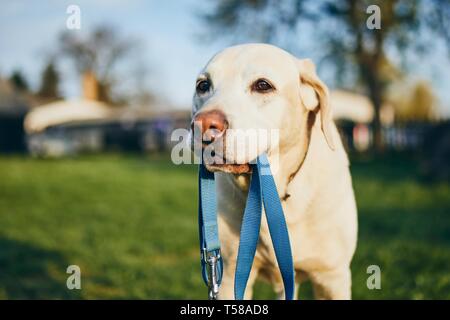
<point>209,137</point>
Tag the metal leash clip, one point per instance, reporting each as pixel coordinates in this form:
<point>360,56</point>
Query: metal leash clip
<point>212,260</point>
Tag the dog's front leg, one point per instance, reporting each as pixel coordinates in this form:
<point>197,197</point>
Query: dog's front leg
<point>226,291</point>
<point>279,290</point>
<point>332,284</point>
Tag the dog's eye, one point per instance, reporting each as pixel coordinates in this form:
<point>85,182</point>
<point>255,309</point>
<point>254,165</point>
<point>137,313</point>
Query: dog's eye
<point>262,86</point>
<point>203,86</point>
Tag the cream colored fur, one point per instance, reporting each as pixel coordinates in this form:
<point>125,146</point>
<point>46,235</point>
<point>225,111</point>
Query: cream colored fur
<point>313,177</point>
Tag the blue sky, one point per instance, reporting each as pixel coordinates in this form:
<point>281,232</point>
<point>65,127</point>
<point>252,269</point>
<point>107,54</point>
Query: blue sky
<point>167,31</point>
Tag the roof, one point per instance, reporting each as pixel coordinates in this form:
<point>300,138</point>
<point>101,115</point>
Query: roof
<point>351,106</point>
<point>65,111</point>
<point>91,111</point>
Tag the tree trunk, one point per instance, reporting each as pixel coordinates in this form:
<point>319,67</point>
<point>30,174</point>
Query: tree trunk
<point>369,63</point>
<point>375,95</point>
<point>369,72</point>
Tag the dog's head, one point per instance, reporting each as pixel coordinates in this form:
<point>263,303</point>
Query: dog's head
<point>250,91</point>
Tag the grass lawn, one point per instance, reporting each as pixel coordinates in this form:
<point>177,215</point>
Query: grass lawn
<point>130,223</point>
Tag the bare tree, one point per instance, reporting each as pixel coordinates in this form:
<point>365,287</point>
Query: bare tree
<point>367,47</point>
<point>100,52</point>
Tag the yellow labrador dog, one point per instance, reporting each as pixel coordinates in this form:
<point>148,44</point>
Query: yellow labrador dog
<point>259,86</point>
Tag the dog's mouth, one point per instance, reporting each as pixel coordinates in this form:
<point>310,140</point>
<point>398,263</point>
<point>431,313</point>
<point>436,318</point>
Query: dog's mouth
<point>229,168</point>
<point>218,163</point>
<point>212,154</point>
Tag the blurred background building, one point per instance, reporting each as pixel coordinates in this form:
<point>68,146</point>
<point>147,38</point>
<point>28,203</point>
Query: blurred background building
<point>68,127</point>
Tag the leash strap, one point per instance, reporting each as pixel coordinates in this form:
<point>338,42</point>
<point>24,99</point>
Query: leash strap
<point>262,192</point>
<point>251,223</point>
<point>211,261</point>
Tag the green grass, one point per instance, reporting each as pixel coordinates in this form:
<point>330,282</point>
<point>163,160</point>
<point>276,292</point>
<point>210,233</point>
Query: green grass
<point>130,223</point>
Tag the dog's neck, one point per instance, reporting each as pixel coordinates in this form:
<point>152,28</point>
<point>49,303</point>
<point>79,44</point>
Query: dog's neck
<point>291,159</point>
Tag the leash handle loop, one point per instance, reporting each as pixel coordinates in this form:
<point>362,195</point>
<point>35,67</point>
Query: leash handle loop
<point>262,192</point>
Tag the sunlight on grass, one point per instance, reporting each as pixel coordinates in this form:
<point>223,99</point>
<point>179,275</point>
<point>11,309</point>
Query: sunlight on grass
<point>130,223</point>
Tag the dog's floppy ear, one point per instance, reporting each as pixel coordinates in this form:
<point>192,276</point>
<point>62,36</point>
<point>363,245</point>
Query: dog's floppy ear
<point>314,93</point>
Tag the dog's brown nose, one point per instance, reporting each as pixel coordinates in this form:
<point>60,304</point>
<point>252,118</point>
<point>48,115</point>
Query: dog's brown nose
<point>211,124</point>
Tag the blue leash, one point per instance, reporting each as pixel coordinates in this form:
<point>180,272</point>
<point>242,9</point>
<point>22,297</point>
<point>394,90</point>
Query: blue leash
<point>262,192</point>
<point>212,264</point>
